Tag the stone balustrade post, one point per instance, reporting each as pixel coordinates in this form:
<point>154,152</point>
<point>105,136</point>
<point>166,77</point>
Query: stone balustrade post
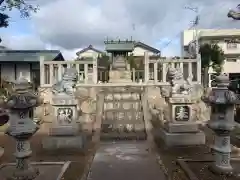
<point>146,67</point>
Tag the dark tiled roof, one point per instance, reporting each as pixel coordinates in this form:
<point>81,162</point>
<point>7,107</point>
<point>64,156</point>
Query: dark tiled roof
<point>30,55</point>
<point>147,47</point>
<point>90,47</point>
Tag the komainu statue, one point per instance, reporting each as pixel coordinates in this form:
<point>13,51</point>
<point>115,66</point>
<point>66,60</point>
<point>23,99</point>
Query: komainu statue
<point>68,82</point>
<point>234,13</point>
<point>178,84</point>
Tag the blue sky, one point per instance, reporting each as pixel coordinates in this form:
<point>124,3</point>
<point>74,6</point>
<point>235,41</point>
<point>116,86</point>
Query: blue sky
<point>74,24</point>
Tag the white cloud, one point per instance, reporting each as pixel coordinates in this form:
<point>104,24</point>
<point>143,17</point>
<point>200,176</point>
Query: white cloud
<point>73,24</point>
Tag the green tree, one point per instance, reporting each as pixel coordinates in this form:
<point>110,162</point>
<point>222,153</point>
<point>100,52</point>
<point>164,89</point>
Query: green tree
<point>211,56</point>
<point>22,6</point>
<point>131,61</point>
<point>104,60</point>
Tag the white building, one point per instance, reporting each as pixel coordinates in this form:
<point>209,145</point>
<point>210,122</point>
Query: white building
<point>227,39</point>
<point>139,50</point>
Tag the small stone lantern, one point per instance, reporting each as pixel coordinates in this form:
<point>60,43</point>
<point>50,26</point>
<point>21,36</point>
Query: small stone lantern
<point>22,127</point>
<point>222,103</point>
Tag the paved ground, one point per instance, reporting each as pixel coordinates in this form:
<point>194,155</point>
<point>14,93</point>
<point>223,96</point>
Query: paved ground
<point>126,161</point>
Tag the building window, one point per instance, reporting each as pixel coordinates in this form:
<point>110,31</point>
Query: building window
<point>231,45</point>
<point>231,60</point>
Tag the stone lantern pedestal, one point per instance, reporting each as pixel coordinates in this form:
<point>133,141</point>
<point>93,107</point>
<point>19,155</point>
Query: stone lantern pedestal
<point>181,127</point>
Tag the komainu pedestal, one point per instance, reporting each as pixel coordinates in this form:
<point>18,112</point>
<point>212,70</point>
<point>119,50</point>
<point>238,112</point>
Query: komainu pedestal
<point>180,126</point>
<point>64,132</point>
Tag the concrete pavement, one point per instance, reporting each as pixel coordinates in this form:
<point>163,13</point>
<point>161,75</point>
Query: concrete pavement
<point>125,161</point>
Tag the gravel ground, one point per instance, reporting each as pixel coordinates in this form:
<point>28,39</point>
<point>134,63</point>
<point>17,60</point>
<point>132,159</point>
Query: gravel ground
<point>79,158</point>
<point>170,155</point>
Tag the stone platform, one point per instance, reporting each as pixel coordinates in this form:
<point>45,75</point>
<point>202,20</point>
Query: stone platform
<point>181,139</point>
<point>64,142</point>
<point>125,160</point>
<point>48,170</point>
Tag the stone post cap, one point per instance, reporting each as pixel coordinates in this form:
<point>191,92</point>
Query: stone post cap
<point>21,85</point>
<point>222,80</point>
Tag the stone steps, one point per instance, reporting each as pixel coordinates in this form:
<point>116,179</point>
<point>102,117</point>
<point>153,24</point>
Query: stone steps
<point>122,116</point>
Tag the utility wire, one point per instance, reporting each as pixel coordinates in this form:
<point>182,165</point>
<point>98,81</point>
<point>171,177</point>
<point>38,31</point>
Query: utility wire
<point>196,18</point>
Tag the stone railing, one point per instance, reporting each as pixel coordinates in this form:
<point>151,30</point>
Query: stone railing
<point>154,72</point>
<point>52,71</point>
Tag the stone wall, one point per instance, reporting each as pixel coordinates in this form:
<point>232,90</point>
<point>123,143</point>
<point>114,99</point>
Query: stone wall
<point>158,106</point>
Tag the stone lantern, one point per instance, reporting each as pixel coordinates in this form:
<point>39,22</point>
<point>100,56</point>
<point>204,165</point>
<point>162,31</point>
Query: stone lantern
<point>22,127</point>
<point>4,118</point>
<point>222,103</point>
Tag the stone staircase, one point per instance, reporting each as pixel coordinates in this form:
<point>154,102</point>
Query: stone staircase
<point>123,118</point>
<point>119,63</point>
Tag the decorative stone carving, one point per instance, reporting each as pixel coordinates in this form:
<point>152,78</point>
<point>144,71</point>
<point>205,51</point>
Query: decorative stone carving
<point>222,103</point>
<point>179,85</point>
<point>22,127</point>
<point>68,82</point>
<point>182,113</point>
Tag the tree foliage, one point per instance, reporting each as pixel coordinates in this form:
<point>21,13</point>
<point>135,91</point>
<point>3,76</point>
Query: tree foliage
<point>131,61</point>
<point>211,56</point>
<point>22,6</point>
<point>104,61</point>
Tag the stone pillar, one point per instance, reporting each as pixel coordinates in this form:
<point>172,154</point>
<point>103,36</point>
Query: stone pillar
<point>64,131</point>
<point>95,70</point>
<point>146,67</point>
<point>4,118</point>
<point>51,76</point>
<point>180,126</point>
<point>86,73</point>
<point>222,103</point>
<point>199,69</point>
<point>155,72</point>
<point>22,127</point>
<point>42,71</point>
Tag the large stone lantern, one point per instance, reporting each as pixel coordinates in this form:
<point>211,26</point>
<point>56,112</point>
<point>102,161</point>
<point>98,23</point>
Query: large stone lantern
<point>222,103</point>
<point>22,127</point>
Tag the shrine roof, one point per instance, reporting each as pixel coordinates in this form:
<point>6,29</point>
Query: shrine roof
<point>119,45</point>
<point>90,47</point>
<point>147,47</point>
<point>8,55</point>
